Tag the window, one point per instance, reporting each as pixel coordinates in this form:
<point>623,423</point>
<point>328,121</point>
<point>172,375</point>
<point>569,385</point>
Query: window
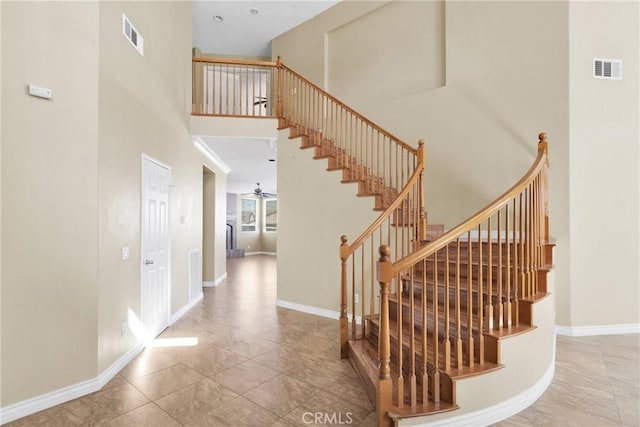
<point>271,215</point>
<point>248,219</point>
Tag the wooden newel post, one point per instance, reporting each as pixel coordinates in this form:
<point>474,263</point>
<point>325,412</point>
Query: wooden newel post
<point>422,225</point>
<point>384,397</point>
<point>279,106</point>
<point>543,147</point>
<point>344,322</point>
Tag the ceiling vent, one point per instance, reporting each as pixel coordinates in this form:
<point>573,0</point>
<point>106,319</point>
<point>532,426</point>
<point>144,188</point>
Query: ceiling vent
<point>607,69</point>
<point>134,37</point>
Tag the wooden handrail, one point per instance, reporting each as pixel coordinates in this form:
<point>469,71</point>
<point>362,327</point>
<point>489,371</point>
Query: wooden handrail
<point>352,111</point>
<point>480,216</point>
<point>233,61</point>
<point>395,204</point>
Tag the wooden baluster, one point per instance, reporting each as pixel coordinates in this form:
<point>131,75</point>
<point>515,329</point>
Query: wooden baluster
<point>481,329</point>
<point>515,313</point>
<point>532,290</point>
<point>362,284</point>
<point>344,322</point>
<point>521,240</point>
<point>244,106</point>
<point>489,314</point>
<point>447,301</point>
<point>379,188</point>
<point>206,92</point>
<point>371,298</point>
<point>194,85</point>
<point>422,158</point>
<point>425,370</point>
<point>253,90</point>
<point>470,343</point>
<point>506,321</point>
<point>353,292</point>
<point>459,359</point>
<point>399,320</point>
<point>534,232</point>
<point>497,321</point>
<point>436,334</point>
<point>412,340</point>
<point>385,385</point>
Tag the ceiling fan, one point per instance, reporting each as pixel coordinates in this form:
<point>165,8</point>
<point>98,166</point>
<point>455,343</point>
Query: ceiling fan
<point>261,100</point>
<point>259,193</point>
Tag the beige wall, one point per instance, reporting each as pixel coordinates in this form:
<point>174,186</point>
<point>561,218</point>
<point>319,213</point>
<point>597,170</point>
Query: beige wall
<point>605,180</point>
<point>481,127</point>
<point>75,174</point>
<point>314,210</point>
<point>208,226</point>
<point>144,111</point>
<point>49,197</point>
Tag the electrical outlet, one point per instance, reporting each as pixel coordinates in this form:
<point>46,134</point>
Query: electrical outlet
<point>124,331</point>
<point>357,299</point>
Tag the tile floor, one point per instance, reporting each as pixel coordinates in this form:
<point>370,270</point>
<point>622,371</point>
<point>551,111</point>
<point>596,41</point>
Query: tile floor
<point>237,360</point>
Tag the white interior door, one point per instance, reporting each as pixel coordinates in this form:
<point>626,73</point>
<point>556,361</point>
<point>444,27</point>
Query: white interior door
<point>155,246</point>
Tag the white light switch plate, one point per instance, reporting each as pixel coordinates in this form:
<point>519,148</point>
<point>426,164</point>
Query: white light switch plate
<point>40,92</point>
<point>126,253</point>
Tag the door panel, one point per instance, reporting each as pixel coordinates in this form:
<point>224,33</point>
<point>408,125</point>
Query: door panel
<point>155,247</point>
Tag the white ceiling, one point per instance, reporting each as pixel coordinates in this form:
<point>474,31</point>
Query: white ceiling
<point>244,34</point>
<point>248,159</point>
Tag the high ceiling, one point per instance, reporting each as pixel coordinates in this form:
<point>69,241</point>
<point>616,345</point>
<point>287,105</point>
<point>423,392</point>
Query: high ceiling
<point>244,33</point>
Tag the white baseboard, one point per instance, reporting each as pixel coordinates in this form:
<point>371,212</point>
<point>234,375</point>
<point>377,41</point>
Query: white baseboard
<point>331,314</point>
<point>502,410</point>
<point>188,306</point>
<point>585,331</point>
<point>259,253</point>
<point>215,283</point>
<point>30,406</point>
<point>65,394</point>
<point>220,279</point>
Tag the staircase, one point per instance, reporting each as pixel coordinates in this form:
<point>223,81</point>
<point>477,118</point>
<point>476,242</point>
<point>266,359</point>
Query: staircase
<point>421,309</point>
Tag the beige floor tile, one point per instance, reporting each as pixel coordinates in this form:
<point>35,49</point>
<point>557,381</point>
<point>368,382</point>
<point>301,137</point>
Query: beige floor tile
<point>54,417</point>
<point>245,376</point>
<point>326,409</point>
<point>252,346</point>
<point>147,362</point>
<point>214,361</point>
<point>167,381</point>
<point>240,412</point>
<point>146,416</point>
<point>350,389</point>
<point>107,404</point>
<point>281,394</point>
<point>116,381</point>
<point>188,404</point>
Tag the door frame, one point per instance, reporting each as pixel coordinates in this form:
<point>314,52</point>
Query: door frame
<point>146,157</point>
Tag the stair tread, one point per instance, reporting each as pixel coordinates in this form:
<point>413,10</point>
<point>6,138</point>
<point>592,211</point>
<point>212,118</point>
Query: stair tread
<point>453,372</point>
<point>428,408</point>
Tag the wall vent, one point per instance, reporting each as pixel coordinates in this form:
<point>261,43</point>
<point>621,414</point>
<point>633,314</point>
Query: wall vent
<point>607,69</point>
<point>133,35</point>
